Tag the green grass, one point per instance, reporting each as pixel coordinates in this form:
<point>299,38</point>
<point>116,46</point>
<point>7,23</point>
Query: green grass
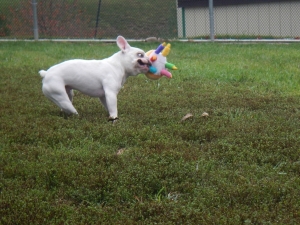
<point>240,165</point>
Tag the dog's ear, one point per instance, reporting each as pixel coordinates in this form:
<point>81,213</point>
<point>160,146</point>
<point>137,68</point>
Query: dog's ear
<point>123,44</point>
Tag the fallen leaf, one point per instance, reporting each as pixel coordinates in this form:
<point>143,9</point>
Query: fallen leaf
<point>187,116</point>
<point>205,114</point>
<point>121,151</point>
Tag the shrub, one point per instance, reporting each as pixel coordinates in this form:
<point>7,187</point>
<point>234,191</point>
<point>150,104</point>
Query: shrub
<point>55,19</point>
<point>4,29</point>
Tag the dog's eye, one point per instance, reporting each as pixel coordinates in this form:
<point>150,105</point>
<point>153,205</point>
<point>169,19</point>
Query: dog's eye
<point>141,55</point>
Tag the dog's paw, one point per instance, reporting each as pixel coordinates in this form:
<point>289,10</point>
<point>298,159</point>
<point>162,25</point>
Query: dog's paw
<point>113,119</point>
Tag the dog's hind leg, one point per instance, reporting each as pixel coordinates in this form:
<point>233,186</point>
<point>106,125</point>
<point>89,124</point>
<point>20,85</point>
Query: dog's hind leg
<point>60,97</point>
<point>70,93</point>
<point>67,107</point>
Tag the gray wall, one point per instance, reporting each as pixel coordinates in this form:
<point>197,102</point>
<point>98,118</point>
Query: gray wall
<point>281,19</point>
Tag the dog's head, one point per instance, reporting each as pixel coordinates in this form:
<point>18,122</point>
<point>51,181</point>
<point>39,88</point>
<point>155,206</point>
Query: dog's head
<point>134,60</point>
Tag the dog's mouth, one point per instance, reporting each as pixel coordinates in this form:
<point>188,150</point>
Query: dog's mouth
<point>144,63</point>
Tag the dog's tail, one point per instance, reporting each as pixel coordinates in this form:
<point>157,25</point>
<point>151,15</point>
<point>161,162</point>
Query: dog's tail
<point>43,73</point>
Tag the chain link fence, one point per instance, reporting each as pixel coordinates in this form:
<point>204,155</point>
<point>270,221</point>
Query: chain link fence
<point>89,18</point>
<point>139,19</point>
<point>240,19</point>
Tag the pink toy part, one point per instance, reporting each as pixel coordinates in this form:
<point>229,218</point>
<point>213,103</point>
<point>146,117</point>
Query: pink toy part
<point>166,73</point>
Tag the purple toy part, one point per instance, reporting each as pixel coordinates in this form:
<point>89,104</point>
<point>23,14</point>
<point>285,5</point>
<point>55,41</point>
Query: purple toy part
<point>160,48</point>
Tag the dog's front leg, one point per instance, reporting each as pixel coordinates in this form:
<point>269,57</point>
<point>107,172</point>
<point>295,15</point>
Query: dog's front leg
<point>103,101</point>
<point>111,105</point>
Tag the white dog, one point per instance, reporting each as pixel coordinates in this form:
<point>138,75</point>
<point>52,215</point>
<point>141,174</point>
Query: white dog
<point>96,78</point>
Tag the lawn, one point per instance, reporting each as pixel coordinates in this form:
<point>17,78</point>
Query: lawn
<point>238,165</point>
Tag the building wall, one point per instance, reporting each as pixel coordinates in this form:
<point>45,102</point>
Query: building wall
<point>268,19</point>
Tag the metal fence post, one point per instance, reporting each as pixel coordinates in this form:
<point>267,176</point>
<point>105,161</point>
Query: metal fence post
<point>183,22</point>
<point>35,21</point>
<point>211,20</point>
<point>97,18</point>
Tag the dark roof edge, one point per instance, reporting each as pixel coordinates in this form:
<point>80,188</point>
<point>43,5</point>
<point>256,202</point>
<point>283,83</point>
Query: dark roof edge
<point>204,3</point>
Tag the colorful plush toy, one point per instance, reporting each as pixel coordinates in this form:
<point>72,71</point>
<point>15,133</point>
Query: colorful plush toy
<point>159,62</point>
